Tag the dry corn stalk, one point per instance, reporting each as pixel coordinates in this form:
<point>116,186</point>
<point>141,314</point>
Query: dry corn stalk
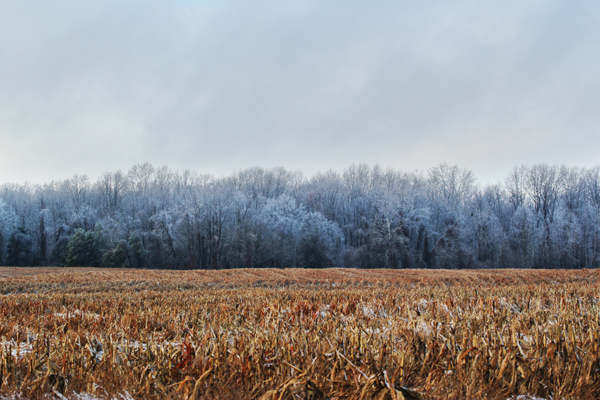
<point>315,342</point>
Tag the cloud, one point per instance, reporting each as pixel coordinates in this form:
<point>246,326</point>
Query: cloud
<point>223,85</point>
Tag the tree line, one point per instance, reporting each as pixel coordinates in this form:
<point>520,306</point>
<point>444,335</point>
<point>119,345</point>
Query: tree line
<point>541,216</point>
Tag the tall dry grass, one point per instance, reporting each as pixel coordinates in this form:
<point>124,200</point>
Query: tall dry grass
<point>158,339</point>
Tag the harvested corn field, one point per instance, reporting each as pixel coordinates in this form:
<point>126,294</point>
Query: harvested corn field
<point>18,279</point>
<point>299,334</point>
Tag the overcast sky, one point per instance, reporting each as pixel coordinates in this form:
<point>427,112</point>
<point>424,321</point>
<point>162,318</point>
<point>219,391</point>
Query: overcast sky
<point>218,86</point>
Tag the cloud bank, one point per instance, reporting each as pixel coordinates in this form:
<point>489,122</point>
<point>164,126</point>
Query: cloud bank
<point>217,86</point>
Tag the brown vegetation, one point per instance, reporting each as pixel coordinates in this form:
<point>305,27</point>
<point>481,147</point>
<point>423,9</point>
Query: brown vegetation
<point>299,334</point>
<point>15,279</point>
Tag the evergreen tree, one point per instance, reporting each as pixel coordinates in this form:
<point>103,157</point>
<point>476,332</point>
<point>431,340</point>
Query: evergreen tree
<point>118,257</point>
<point>19,249</point>
<point>83,250</point>
<point>59,252</point>
<point>136,251</point>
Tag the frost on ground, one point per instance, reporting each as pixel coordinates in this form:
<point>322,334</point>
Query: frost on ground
<point>87,396</point>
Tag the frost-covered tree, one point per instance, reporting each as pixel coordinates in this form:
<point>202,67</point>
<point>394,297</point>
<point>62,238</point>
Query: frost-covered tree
<point>365,217</point>
<point>9,223</point>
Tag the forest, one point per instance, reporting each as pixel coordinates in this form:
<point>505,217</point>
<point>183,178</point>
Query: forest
<point>541,216</point>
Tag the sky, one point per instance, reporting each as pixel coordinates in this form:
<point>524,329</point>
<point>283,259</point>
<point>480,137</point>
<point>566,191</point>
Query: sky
<point>219,86</point>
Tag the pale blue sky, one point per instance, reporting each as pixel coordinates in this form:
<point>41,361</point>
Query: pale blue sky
<point>89,86</point>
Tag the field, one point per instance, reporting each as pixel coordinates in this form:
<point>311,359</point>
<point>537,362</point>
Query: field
<point>299,334</point>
